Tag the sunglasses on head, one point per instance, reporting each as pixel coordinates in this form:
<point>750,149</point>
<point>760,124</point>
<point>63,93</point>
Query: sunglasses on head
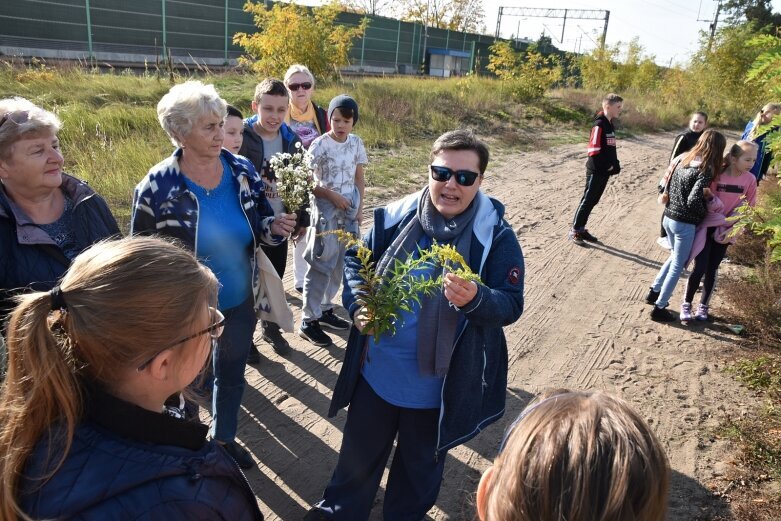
<point>214,330</point>
<point>18,117</point>
<point>295,86</point>
<point>443,174</point>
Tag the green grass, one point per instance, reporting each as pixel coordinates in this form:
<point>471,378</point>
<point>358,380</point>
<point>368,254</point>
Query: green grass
<point>111,136</point>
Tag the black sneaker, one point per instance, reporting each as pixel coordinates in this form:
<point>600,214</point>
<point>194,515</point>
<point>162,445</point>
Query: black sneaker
<point>333,321</point>
<point>239,454</point>
<point>587,236</point>
<point>273,336</point>
<point>253,357</point>
<point>576,237</point>
<point>652,297</point>
<point>312,332</point>
<point>662,315</point>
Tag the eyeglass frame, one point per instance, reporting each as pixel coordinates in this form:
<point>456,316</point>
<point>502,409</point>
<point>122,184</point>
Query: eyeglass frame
<point>217,326</point>
<point>461,175</point>
<point>8,116</point>
<point>294,87</point>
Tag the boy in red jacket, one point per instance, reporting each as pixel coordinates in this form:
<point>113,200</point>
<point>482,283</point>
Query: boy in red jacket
<point>601,164</point>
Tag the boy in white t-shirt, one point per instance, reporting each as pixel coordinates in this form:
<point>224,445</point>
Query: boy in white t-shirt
<point>338,158</point>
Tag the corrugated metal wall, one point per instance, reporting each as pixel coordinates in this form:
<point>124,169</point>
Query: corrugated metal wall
<point>140,30</point>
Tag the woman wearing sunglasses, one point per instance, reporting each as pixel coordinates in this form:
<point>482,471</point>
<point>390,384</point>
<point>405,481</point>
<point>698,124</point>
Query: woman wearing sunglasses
<point>85,430</point>
<point>309,121</point>
<point>46,216</point>
<point>441,378</point>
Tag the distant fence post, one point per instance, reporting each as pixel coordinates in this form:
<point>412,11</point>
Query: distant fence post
<point>226,32</point>
<point>89,30</point>
<point>398,40</point>
<point>165,39</point>
<point>413,48</point>
<point>447,40</point>
<point>363,44</point>
<point>472,57</point>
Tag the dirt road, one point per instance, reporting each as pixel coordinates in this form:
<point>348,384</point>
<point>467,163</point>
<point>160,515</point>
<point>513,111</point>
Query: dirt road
<point>585,327</point>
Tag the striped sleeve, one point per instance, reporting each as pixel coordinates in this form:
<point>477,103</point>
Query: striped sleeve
<point>594,142</point>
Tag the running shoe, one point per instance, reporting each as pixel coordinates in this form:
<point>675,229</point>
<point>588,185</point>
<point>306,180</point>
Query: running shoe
<point>661,315</point>
<point>652,297</point>
<point>331,320</point>
<point>586,236</point>
<point>702,312</point>
<point>273,336</point>
<point>312,332</point>
<point>664,242</point>
<point>576,237</point>
<point>686,311</point>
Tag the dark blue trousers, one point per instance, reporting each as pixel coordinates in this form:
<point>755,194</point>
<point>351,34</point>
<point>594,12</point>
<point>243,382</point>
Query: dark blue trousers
<point>415,475</point>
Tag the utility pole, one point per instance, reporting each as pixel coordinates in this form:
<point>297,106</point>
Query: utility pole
<point>713,26</point>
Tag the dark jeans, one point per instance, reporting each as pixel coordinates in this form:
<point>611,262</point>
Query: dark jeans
<point>229,360</point>
<point>706,265</point>
<point>595,187</point>
<point>278,257</point>
<point>415,477</point>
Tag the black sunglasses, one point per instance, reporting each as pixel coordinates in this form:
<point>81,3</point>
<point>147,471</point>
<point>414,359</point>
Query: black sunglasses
<point>443,174</point>
<point>295,86</point>
<point>18,117</point>
<point>214,330</point>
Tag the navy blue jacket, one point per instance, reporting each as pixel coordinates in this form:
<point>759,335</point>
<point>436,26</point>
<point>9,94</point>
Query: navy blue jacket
<point>473,394</point>
<point>29,258</point>
<point>127,463</point>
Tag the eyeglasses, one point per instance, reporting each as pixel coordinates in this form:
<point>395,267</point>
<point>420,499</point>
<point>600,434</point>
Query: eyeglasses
<point>18,117</point>
<point>214,330</point>
<point>295,86</point>
<point>443,174</point>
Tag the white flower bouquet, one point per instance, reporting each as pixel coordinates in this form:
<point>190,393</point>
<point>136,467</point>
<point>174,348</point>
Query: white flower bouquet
<point>295,180</point>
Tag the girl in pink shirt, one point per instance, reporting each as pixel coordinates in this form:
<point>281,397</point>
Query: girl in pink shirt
<point>735,187</point>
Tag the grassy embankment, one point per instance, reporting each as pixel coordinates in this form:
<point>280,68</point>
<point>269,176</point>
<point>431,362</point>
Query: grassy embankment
<point>111,136</point>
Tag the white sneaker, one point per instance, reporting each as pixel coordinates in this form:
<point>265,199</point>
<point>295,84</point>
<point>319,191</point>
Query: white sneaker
<point>664,242</point>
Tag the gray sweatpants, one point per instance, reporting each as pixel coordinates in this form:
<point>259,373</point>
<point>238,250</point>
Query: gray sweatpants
<point>324,255</point>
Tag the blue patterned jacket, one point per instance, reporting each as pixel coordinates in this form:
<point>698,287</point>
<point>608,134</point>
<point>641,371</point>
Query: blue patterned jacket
<point>162,204</point>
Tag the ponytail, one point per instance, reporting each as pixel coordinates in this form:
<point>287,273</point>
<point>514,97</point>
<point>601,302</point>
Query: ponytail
<point>41,388</point>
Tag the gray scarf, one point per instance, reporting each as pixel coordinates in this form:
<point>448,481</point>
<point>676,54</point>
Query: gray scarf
<point>437,319</point>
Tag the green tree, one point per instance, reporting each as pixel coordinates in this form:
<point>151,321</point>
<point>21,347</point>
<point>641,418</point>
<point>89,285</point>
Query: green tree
<point>503,60</point>
<point>289,33</point>
<point>759,12</point>
<point>529,74</point>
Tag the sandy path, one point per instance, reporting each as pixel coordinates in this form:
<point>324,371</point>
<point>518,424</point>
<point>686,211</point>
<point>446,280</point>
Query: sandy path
<point>585,327</point>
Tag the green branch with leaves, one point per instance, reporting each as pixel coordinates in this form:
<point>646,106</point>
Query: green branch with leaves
<point>384,297</point>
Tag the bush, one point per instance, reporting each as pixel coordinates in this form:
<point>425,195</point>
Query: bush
<point>755,296</point>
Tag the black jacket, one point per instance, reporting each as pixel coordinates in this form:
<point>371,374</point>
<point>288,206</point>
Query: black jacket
<point>687,202</point>
<point>684,142</point>
<point>602,156</point>
<point>252,149</point>
<point>29,258</point>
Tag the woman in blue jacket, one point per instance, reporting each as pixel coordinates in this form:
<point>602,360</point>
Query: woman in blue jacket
<point>46,216</point>
<point>442,377</point>
<point>85,430</point>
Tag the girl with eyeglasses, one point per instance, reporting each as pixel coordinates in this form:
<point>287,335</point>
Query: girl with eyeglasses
<point>578,456</point>
<point>442,376</point>
<point>84,430</point>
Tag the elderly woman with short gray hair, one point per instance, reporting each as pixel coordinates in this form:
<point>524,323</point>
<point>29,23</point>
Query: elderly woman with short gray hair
<point>46,216</point>
<point>213,202</point>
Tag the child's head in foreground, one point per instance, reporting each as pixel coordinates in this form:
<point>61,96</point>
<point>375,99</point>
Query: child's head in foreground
<point>576,456</point>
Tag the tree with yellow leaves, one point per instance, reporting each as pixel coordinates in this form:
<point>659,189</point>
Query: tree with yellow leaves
<point>290,33</point>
